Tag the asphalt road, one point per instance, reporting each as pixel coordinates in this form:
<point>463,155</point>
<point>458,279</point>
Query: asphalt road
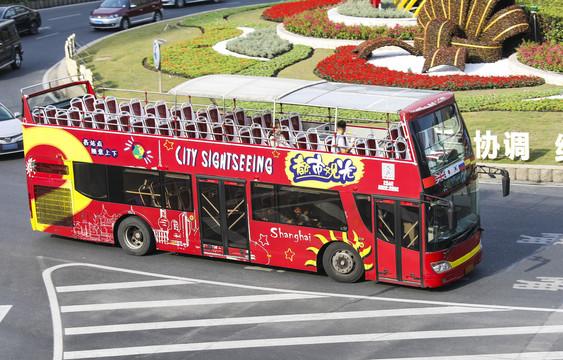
<point>63,298</point>
<point>45,49</point>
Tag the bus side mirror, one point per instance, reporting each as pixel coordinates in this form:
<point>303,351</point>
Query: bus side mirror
<point>505,184</point>
<point>452,217</point>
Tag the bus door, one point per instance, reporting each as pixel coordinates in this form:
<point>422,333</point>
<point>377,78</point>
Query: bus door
<point>223,218</point>
<point>398,240</point>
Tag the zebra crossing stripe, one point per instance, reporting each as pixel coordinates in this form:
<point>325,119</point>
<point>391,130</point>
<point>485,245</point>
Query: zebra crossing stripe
<point>312,340</point>
<point>544,355</point>
<point>121,285</point>
<point>270,319</point>
<point>184,302</point>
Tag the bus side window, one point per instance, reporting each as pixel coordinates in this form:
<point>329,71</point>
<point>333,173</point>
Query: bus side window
<point>363,203</point>
<point>134,186</point>
<point>178,192</point>
<point>263,202</point>
<point>90,180</point>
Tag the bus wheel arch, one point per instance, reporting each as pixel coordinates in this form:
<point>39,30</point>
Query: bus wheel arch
<point>135,236</point>
<point>342,262</point>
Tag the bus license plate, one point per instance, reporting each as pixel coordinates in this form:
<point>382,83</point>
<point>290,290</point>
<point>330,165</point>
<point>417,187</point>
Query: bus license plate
<point>469,268</point>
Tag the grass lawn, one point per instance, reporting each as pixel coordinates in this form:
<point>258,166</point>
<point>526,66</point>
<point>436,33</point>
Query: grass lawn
<point>117,62</point>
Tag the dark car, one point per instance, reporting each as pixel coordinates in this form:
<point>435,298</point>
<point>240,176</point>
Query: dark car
<point>10,45</point>
<point>27,20</point>
<point>120,14</point>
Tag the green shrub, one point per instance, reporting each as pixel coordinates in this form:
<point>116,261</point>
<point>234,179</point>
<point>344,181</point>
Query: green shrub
<point>274,66</point>
<point>512,102</point>
<point>550,17</point>
<point>362,8</point>
<point>264,43</point>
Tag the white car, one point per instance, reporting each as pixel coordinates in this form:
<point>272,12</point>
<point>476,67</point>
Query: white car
<point>11,137</point>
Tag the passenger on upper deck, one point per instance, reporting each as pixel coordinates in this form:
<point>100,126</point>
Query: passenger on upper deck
<point>276,137</point>
<point>341,141</point>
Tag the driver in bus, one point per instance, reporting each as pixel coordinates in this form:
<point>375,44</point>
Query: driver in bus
<point>341,141</point>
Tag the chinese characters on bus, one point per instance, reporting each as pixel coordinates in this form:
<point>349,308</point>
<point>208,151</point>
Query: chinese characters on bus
<point>516,145</point>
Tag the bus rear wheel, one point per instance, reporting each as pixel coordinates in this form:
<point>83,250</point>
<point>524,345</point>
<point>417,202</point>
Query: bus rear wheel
<point>135,236</point>
<point>342,263</point>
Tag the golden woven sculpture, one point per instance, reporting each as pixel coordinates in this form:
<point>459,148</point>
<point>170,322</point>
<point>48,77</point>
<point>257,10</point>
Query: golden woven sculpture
<point>465,31</point>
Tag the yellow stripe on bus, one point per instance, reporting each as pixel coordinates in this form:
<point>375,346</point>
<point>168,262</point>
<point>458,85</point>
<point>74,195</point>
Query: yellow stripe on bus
<point>466,257</point>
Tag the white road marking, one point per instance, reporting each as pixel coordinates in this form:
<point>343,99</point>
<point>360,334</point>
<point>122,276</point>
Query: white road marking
<point>270,319</point>
<point>312,340</point>
<point>121,285</point>
<point>4,310</point>
<point>314,293</point>
<point>64,17</point>
<point>544,355</point>
<point>184,302</point>
<point>46,36</point>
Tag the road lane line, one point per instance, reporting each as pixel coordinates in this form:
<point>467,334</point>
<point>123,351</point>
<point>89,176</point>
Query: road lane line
<point>121,285</point>
<point>184,302</point>
<point>46,36</point>
<point>64,17</point>
<point>270,319</point>
<point>544,355</point>
<point>311,340</point>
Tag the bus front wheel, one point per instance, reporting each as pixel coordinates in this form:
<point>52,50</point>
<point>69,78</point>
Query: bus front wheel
<point>135,236</point>
<point>342,263</point>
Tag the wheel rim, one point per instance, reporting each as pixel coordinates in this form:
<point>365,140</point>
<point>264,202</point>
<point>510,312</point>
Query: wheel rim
<point>125,24</point>
<point>343,261</point>
<point>180,3</point>
<point>134,238</point>
<point>18,60</point>
<point>157,17</point>
<point>33,28</point>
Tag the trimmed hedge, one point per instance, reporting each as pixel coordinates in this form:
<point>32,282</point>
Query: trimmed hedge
<point>363,8</point>
<point>264,43</point>
<point>513,101</point>
<point>274,66</point>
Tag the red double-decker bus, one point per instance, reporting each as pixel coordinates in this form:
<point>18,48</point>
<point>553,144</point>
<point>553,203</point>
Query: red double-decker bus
<point>263,171</point>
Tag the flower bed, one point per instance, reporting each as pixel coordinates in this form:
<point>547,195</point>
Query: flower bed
<point>280,12</point>
<point>345,66</point>
<point>197,57</point>
<point>547,56</point>
<point>315,23</point>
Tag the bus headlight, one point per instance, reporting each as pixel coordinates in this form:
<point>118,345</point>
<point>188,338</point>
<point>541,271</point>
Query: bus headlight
<point>441,266</point>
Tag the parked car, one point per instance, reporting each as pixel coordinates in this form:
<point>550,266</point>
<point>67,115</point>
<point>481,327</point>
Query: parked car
<point>27,20</point>
<point>121,14</point>
<point>10,45</point>
<point>181,3</point>
<point>11,137</point>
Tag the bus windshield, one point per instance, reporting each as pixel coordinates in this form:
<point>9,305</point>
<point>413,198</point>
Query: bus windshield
<point>442,138</point>
<point>466,202</point>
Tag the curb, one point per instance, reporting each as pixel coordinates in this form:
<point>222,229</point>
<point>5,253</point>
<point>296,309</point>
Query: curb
<point>522,69</point>
<point>334,15</point>
<point>531,173</point>
<point>315,43</point>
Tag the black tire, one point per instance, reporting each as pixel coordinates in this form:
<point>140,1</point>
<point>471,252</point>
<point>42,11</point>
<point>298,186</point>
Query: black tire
<point>135,236</point>
<point>125,24</point>
<point>179,3</point>
<point>342,263</point>
<point>33,28</point>
<point>17,63</point>
<point>157,16</point>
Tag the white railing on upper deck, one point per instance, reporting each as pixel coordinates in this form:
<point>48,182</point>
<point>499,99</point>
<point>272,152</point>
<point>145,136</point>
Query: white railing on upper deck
<point>253,127</point>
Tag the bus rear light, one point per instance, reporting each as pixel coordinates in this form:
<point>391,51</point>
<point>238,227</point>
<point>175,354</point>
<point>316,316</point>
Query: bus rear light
<point>441,266</point>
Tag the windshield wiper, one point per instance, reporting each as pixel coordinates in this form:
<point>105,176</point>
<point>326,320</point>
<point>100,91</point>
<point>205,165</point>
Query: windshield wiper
<point>460,236</point>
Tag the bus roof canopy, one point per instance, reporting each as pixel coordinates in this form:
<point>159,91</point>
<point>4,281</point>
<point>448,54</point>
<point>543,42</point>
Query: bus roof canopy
<point>303,92</point>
